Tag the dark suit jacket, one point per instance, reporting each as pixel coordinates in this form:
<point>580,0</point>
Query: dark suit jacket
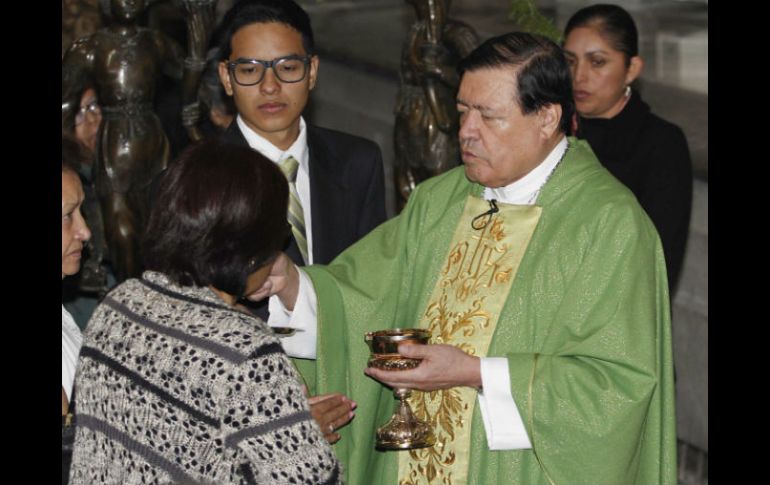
<point>347,189</point>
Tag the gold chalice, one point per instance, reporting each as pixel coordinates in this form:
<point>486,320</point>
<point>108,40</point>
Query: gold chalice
<point>404,430</point>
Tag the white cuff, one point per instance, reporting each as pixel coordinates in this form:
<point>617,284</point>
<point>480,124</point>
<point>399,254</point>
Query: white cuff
<point>303,319</point>
<point>502,421</point>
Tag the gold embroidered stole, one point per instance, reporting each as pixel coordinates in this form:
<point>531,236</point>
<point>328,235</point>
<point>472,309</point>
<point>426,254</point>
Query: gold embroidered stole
<point>463,311</point>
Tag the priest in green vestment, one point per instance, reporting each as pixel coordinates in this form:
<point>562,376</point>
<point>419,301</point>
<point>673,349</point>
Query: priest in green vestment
<point>543,283</point>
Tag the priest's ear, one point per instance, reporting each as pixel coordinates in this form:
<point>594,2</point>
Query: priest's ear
<point>549,117</point>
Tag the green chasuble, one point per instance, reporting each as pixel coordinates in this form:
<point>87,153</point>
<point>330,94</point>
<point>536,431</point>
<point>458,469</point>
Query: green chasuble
<point>585,329</point>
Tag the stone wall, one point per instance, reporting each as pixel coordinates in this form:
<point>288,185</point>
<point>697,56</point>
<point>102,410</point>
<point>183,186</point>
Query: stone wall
<point>690,328</point>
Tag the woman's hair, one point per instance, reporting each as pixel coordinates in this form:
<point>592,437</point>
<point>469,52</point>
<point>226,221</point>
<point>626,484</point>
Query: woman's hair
<point>219,215</point>
<point>614,24</point>
<point>72,154</point>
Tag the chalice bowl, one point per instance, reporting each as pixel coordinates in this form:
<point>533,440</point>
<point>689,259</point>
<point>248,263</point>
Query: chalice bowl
<point>404,430</point>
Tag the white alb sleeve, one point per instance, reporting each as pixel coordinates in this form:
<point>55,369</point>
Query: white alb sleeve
<point>304,321</point>
<point>502,421</point>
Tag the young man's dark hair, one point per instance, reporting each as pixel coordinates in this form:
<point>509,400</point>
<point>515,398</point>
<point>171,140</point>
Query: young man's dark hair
<point>220,214</point>
<point>543,75</point>
<point>247,12</point>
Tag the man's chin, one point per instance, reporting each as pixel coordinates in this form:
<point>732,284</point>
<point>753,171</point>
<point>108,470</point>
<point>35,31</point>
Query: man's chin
<point>471,174</point>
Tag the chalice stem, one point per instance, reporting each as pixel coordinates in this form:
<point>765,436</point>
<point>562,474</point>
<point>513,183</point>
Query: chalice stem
<point>404,411</point>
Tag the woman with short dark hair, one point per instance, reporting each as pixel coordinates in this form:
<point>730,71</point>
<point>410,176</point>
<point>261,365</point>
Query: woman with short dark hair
<point>218,217</point>
<point>175,382</point>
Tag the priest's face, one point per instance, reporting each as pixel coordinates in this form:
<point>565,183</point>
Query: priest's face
<point>499,144</point>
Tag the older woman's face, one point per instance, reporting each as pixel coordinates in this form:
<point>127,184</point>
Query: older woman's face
<point>88,119</point>
<point>74,231</point>
<point>599,73</point>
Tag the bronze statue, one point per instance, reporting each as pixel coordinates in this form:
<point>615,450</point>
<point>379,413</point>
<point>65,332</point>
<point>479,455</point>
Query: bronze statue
<point>125,62</point>
<point>199,18</point>
<point>426,116</point>
<point>78,18</point>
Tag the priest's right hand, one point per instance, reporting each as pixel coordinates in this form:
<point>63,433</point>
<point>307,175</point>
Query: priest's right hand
<point>283,281</point>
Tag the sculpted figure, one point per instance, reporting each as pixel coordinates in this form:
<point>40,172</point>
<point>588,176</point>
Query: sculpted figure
<point>426,117</point>
<point>199,19</point>
<point>125,62</point>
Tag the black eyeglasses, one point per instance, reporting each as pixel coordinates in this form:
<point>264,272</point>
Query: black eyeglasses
<point>289,69</point>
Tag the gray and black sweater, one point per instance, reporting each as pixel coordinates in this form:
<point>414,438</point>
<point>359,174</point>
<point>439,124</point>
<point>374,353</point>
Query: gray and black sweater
<point>174,386</point>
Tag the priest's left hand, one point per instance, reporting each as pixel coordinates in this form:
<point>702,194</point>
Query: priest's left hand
<point>443,366</point>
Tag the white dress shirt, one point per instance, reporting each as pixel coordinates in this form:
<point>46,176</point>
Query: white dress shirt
<point>502,421</point>
<point>71,340</point>
<point>279,317</point>
<point>300,152</point>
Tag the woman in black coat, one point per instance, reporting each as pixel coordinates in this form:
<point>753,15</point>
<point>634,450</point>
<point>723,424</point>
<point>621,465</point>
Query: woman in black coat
<point>645,152</point>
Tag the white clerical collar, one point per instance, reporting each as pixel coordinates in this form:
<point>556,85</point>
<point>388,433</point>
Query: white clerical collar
<point>298,149</point>
<point>525,190</point>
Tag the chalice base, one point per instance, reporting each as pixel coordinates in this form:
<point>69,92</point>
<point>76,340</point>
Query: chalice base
<point>404,431</point>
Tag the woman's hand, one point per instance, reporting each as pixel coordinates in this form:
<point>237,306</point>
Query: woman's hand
<point>65,404</point>
<point>331,412</point>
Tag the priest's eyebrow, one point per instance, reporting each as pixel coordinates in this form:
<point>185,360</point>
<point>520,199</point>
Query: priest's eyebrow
<point>485,110</point>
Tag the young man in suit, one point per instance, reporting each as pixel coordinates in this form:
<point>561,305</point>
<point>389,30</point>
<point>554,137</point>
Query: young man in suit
<point>337,194</point>
<point>267,64</point>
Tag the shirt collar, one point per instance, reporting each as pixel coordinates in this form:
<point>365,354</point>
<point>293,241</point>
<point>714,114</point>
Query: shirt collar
<point>525,190</point>
<point>298,149</point>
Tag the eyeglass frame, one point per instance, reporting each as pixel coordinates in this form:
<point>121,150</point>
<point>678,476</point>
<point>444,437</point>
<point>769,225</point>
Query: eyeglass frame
<point>268,65</point>
<point>92,107</point>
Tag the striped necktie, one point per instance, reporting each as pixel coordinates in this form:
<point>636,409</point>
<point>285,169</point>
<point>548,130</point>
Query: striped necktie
<point>295,215</point>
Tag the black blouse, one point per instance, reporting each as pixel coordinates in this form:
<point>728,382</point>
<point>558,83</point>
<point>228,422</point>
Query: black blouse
<point>650,156</point>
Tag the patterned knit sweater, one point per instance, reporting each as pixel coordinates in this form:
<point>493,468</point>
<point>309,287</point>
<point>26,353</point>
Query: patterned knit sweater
<point>173,386</point>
